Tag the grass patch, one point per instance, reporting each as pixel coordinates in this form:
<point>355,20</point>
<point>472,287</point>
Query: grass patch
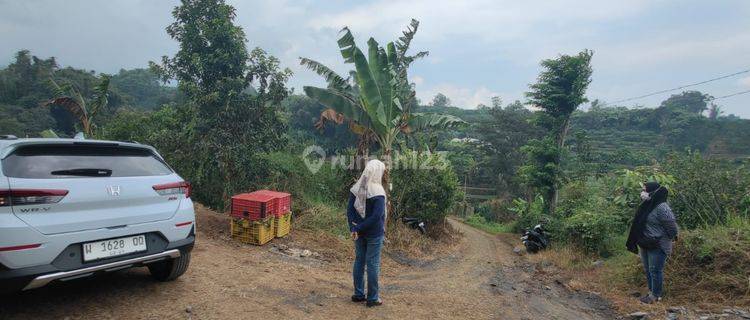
<point>319,215</point>
<point>481,223</point>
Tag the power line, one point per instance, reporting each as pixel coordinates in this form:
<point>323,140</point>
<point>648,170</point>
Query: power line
<point>683,87</point>
<point>730,95</point>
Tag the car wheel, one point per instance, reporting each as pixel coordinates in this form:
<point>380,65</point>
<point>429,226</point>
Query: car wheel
<point>170,269</point>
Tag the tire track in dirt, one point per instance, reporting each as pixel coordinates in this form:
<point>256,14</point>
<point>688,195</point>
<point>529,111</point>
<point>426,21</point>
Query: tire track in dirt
<point>489,281</point>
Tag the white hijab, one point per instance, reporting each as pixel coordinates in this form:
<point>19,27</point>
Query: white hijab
<point>369,185</point>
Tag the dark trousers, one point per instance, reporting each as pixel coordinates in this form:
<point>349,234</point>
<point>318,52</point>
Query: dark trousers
<point>653,264</point>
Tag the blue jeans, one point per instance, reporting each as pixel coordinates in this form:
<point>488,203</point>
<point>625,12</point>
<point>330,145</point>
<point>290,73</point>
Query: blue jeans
<point>367,254</point>
<point>653,263</point>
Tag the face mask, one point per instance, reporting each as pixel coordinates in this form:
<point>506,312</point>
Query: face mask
<point>645,196</point>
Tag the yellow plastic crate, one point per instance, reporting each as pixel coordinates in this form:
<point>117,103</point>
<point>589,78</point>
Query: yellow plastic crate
<point>282,225</point>
<point>253,232</point>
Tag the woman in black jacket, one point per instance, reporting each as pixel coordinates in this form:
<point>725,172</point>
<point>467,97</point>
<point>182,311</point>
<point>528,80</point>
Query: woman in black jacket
<point>653,230</point>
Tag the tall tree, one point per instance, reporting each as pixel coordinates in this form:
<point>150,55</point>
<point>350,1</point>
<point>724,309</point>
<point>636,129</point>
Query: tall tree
<point>211,64</point>
<point>440,101</point>
<point>234,121</point>
<point>503,132</point>
<point>560,89</point>
<point>497,102</point>
<point>689,101</point>
<point>714,112</point>
<point>265,70</point>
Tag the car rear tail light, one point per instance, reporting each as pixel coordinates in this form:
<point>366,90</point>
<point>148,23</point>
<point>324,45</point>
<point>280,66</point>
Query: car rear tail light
<point>182,224</point>
<point>23,247</point>
<point>22,197</point>
<point>168,189</point>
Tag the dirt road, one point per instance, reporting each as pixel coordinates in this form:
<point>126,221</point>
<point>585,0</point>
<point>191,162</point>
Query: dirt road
<point>483,279</point>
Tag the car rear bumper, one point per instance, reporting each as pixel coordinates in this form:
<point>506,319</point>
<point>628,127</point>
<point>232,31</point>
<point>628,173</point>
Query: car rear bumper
<point>43,280</point>
<point>14,280</point>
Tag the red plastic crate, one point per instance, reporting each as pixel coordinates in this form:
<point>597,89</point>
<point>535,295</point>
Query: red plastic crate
<point>282,202</point>
<point>253,206</point>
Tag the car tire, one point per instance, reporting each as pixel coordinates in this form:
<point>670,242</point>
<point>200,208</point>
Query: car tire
<point>170,269</point>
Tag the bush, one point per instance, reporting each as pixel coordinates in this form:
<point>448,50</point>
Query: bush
<point>593,232</point>
<point>707,191</point>
<point>712,259</point>
<point>586,216</point>
<point>426,188</point>
<point>591,219</point>
<point>496,210</point>
<point>531,214</point>
<point>287,171</point>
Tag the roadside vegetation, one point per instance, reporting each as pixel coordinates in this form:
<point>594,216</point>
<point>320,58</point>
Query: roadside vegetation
<point>233,125</point>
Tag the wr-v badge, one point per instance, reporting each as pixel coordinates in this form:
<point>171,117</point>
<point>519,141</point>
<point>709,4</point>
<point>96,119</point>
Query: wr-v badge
<point>113,190</point>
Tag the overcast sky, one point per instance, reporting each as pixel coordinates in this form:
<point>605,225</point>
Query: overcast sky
<point>478,48</point>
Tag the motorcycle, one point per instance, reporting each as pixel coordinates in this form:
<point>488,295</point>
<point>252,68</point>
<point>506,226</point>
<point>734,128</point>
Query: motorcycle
<point>415,223</point>
<point>535,239</point>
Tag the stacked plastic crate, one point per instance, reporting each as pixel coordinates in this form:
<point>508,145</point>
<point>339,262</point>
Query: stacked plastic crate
<point>251,218</point>
<point>259,216</point>
<point>283,212</point>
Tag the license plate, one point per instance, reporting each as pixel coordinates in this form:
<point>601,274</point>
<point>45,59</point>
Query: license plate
<point>113,247</point>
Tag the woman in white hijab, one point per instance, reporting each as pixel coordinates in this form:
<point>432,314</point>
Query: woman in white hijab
<point>366,215</point>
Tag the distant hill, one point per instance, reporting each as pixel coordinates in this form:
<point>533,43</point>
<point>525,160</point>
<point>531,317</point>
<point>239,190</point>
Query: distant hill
<point>644,129</point>
<point>24,86</point>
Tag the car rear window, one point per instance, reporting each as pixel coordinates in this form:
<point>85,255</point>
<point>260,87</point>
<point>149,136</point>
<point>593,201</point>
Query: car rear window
<point>68,161</point>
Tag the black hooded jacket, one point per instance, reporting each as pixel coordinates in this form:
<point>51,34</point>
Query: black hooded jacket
<point>636,236</point>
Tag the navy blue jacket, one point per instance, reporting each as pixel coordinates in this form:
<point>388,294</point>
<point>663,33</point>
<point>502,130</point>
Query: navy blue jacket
<point>373,224</point>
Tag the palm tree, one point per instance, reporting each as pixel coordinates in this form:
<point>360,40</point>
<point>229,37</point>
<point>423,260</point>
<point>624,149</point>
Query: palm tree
<point>376,99</point>
<point>70,98</point>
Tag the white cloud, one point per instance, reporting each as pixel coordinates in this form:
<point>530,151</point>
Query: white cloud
<point>670,49</point>
<point>744,82</point>
<point>487,19</point>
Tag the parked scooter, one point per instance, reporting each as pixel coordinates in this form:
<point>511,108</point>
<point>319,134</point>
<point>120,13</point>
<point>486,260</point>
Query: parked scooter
<point>535,239</point>
<point>415,223</point>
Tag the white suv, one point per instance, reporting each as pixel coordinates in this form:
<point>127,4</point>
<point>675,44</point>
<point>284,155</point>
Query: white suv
<point>72,208</point>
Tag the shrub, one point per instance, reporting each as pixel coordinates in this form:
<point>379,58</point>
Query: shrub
<point>483,210</point>
<point>287,171</point>
<point>496,210</point>
<point>628,184</point>
<point>712,259</point>
<point>586,216</point>
<point>427,188</point>
<point>593,231</point>
<point>533,213</point>
<point>707,191</point>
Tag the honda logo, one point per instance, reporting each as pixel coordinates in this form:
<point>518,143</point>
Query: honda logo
<point>113,190</point>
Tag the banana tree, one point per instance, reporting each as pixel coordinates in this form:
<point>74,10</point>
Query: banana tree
<point>377,98</point>
<point>70,98</point>
<point>342,112</point>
